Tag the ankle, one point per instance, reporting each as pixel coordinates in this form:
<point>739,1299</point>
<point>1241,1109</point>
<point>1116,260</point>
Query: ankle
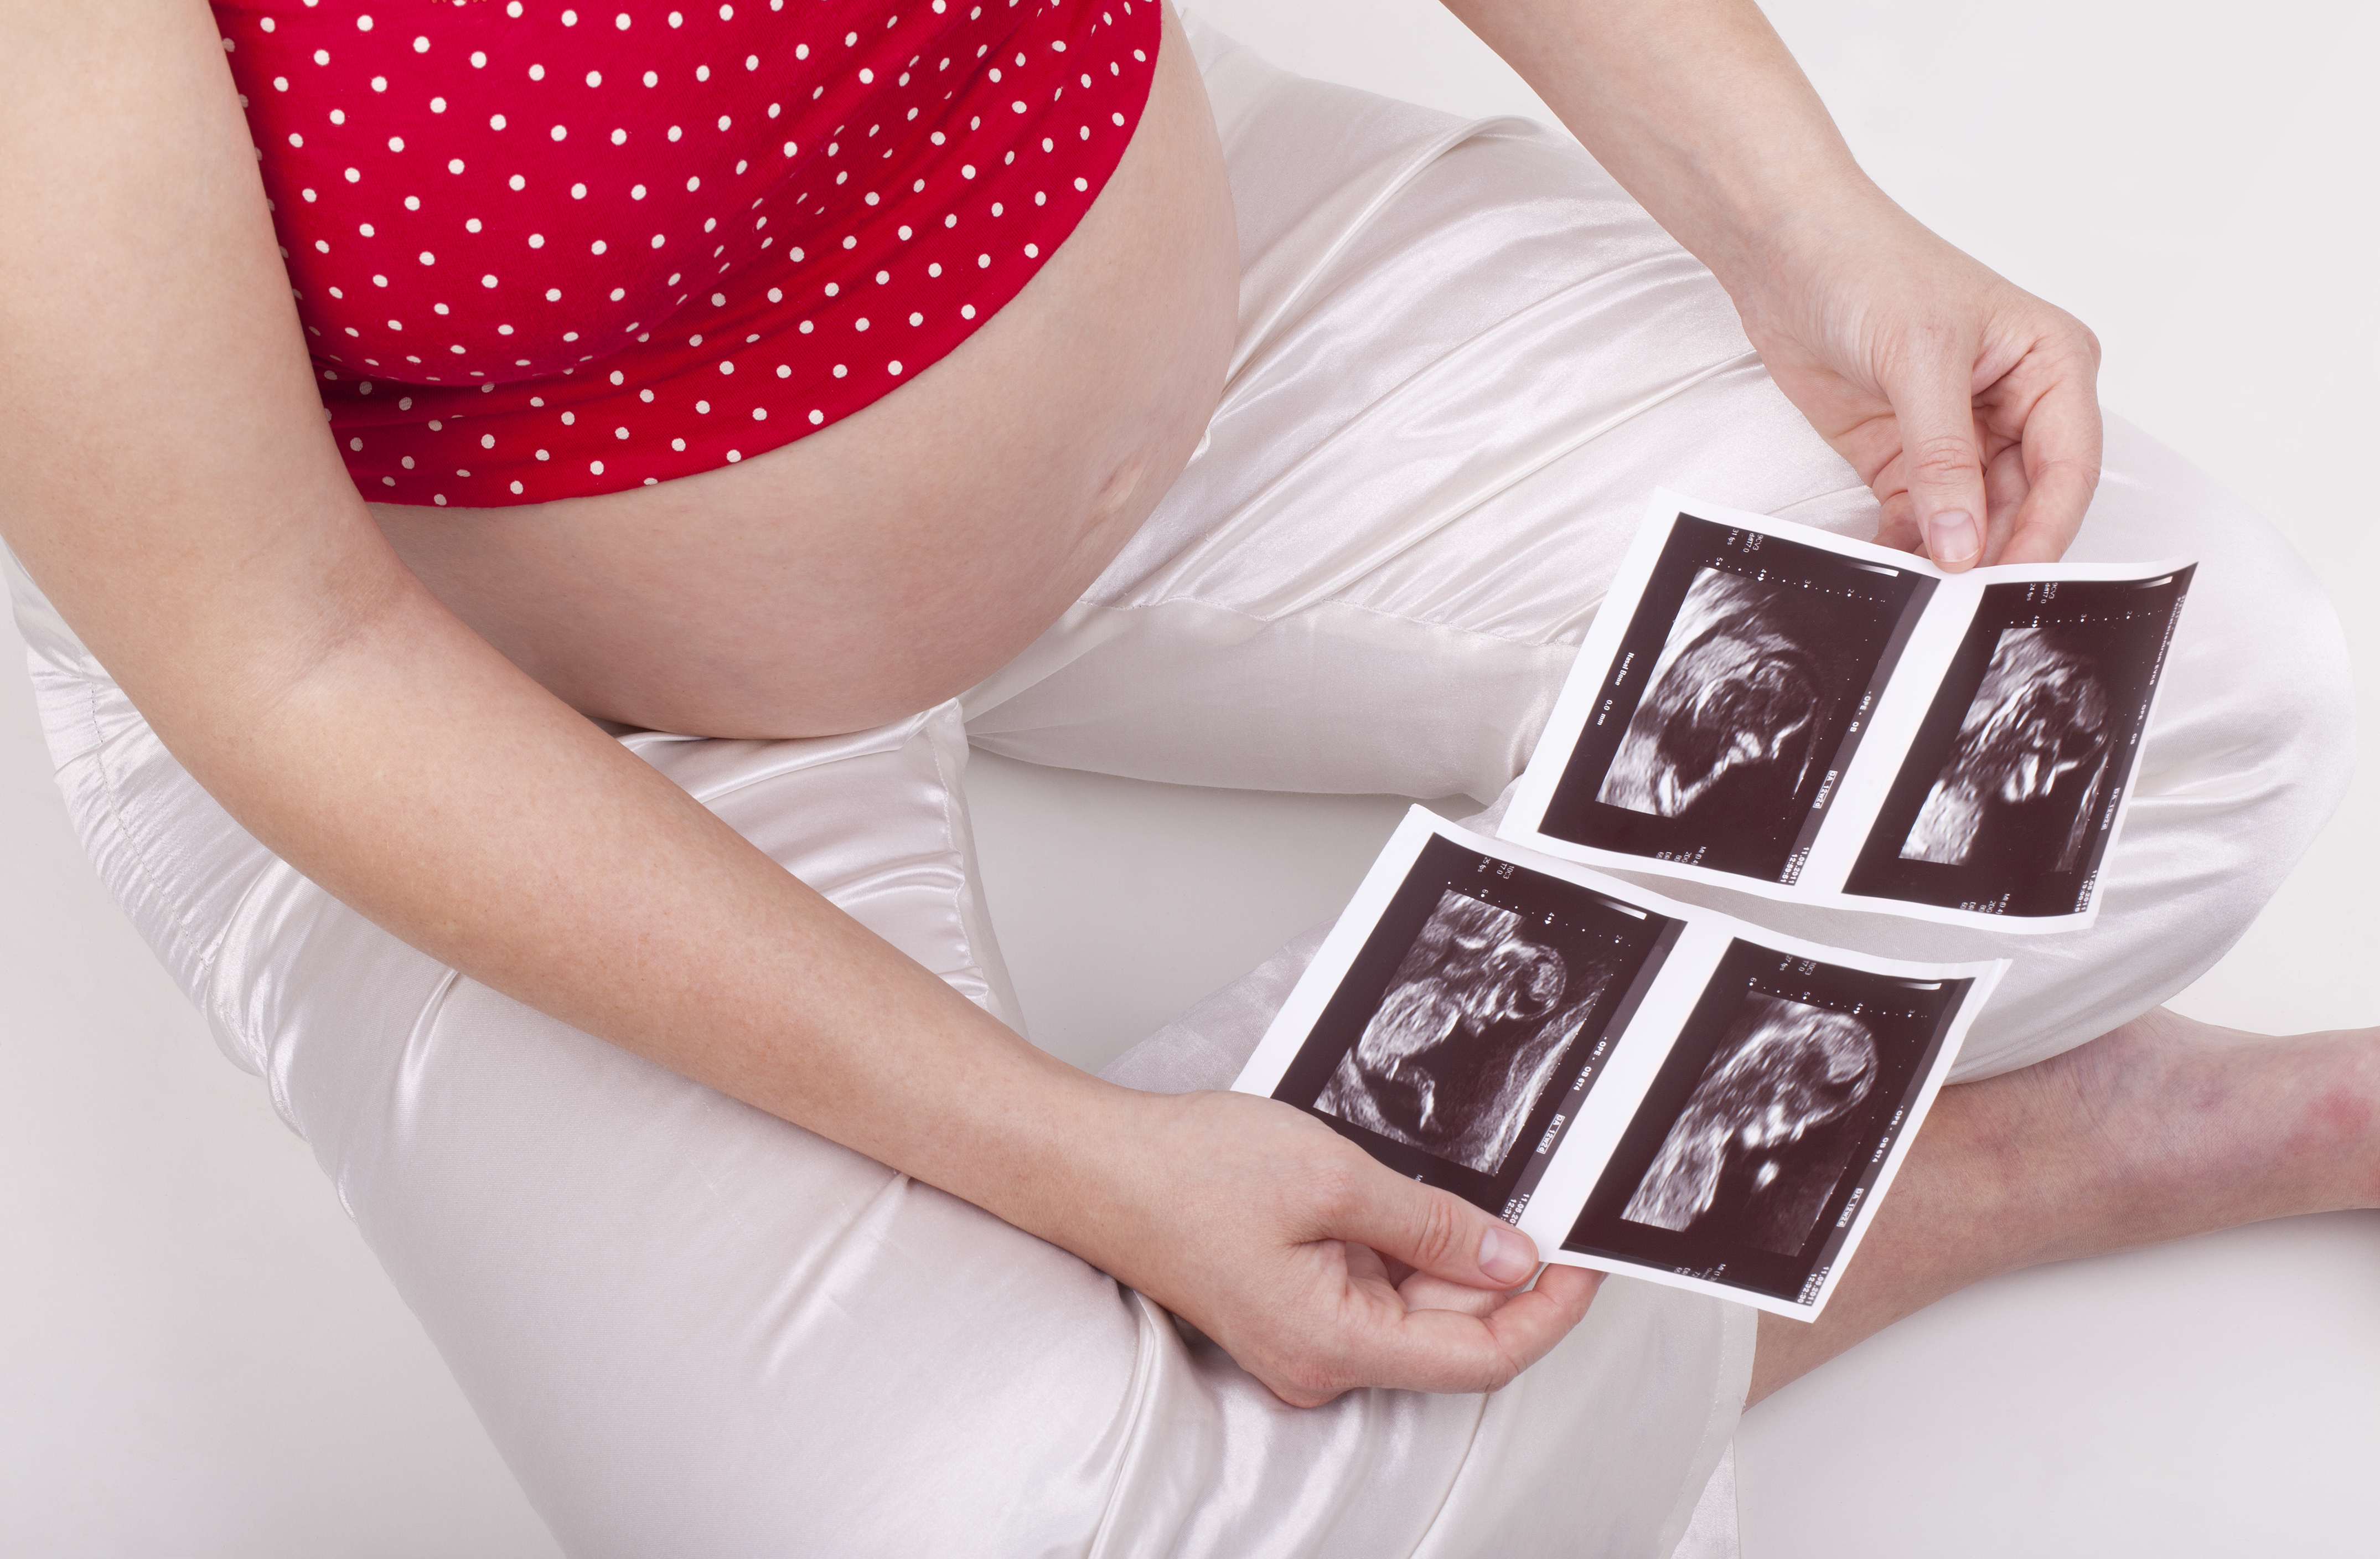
<point>2168,1127</point>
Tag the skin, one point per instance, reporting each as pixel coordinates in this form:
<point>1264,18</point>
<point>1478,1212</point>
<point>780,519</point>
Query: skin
<point>395,703</point>
<point>2165,1128</point>
<point>780,597</point>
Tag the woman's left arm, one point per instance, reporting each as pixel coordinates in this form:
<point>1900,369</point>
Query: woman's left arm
<point>1969,405</point>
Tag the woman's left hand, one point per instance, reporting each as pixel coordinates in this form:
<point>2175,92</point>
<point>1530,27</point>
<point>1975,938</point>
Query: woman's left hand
<point>1969,405</point>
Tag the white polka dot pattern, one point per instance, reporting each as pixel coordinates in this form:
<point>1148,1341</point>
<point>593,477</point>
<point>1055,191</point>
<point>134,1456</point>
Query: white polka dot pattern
<point>541,255</point>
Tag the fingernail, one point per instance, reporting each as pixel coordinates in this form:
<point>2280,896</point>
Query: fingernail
<point>1951,537</point>
<point>1504,1256</point>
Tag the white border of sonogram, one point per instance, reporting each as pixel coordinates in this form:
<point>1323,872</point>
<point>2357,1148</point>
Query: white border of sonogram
<point>1637,1051</point>
<point>1861,791</point>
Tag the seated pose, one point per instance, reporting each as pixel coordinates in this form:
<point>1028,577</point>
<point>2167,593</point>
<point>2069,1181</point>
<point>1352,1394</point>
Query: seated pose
<point>523,507</point>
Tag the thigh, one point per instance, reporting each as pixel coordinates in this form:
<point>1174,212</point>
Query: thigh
<point>688,1326</point>
<point>1466,359</point>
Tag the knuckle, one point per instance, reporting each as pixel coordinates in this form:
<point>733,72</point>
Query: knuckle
<point>2084,473</point>
<point>1942,457</point>
<point>1438,1236</point>
<point>1312,1380</point>
<point>1338,1189</point>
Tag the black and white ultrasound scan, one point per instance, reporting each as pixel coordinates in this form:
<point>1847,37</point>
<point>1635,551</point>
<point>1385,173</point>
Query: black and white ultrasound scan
<point>2006,802</point>
<point>1478,1015</point>
<point>1762,1137</point>
<point>1769,706</point>
<point>1764,656</point>
<point>1640,1085</point>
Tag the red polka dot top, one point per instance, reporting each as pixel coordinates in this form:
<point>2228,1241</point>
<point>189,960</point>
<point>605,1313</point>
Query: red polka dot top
<point>543,249</point>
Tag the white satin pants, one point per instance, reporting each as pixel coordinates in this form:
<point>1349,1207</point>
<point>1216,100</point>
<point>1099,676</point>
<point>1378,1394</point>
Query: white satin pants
<point>1465,358</point>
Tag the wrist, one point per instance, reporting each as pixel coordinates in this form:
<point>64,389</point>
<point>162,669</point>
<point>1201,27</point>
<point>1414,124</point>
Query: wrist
<point>1050,1150</point>
<point>1777,252</point>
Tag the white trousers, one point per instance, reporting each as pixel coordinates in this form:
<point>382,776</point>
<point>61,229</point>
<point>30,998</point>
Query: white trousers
<point>1465,358</point>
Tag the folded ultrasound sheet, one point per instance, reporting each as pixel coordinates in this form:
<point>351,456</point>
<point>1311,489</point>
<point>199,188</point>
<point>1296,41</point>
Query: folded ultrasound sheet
<point>1641,1086</point>
<point>1771,708</point>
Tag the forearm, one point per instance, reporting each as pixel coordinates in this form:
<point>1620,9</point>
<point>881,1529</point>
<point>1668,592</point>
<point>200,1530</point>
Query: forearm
<point>165,473</point>
<point>1698,110</point>
<point>429,785</point>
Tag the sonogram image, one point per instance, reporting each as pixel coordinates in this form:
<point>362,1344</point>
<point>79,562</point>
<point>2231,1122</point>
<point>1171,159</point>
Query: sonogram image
<point>1738,692</point>
<point>2030,762</point>
<point>1732,707</point>
<point>1474,1023</point>
<point>1747,1156</point>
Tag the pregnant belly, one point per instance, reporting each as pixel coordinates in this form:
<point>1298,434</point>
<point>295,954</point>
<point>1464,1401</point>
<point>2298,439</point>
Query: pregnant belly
<point>904,553</point>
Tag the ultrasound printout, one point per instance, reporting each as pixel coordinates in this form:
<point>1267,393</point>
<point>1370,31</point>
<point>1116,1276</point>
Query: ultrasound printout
<point>1481,985</point>
<point>1639,1085</point>
<point>1769,1120</point>
<point>1763,658</point>
<point>2006,802</point>
<point>1769,707</point>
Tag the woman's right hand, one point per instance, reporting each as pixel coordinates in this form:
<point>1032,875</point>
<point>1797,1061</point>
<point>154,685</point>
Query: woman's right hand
<point>1317,1268</point>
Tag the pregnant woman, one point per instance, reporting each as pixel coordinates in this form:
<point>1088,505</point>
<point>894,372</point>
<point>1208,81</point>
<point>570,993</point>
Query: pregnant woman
<point>522,509</point>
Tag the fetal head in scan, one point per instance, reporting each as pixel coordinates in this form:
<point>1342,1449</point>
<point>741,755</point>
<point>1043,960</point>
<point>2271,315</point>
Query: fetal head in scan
<point>2028,765</point>
<point>1733,707</point>
<point>1474,1021</point>
<point>1744,1153</point>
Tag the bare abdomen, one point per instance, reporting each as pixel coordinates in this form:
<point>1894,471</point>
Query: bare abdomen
<point>901,556</point>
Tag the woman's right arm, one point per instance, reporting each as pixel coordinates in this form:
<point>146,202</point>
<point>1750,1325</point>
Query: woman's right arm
<point>166,475</point>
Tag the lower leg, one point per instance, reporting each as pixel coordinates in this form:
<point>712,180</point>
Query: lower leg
<point>2163,1128</point>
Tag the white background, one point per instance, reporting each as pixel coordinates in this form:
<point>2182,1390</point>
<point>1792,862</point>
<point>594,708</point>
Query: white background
<point>197,1357</point>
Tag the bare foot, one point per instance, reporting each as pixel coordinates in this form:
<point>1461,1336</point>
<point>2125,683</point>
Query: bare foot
<point>2164,1128</point>
<point>2168,1126</point>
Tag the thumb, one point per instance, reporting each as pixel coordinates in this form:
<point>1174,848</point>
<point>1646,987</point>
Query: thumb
<point>1935,408</point>
<point>1439,1232</point>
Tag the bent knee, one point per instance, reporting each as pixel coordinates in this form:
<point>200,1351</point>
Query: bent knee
<point>2255,715</point>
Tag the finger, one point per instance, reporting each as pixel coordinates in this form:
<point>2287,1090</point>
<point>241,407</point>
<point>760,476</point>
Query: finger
<point>1423,1292</point>
<point>1365,1267</point>
<point>1933,403</point>
<point>2063,437</point>
<point>1433,1231</point>
<point>2004,490</point>
<point>1435,1349</point>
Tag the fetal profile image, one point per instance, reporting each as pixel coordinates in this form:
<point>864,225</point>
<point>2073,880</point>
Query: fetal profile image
<point>1476,1019</point>
<point>1468,1014</point>
<point>1638,1085</point>
<point>1770,1121</point>
<point>1751,1158</point>
<point>1739,691</point>
<point>1732,710</point>
<point>2012,788</point>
